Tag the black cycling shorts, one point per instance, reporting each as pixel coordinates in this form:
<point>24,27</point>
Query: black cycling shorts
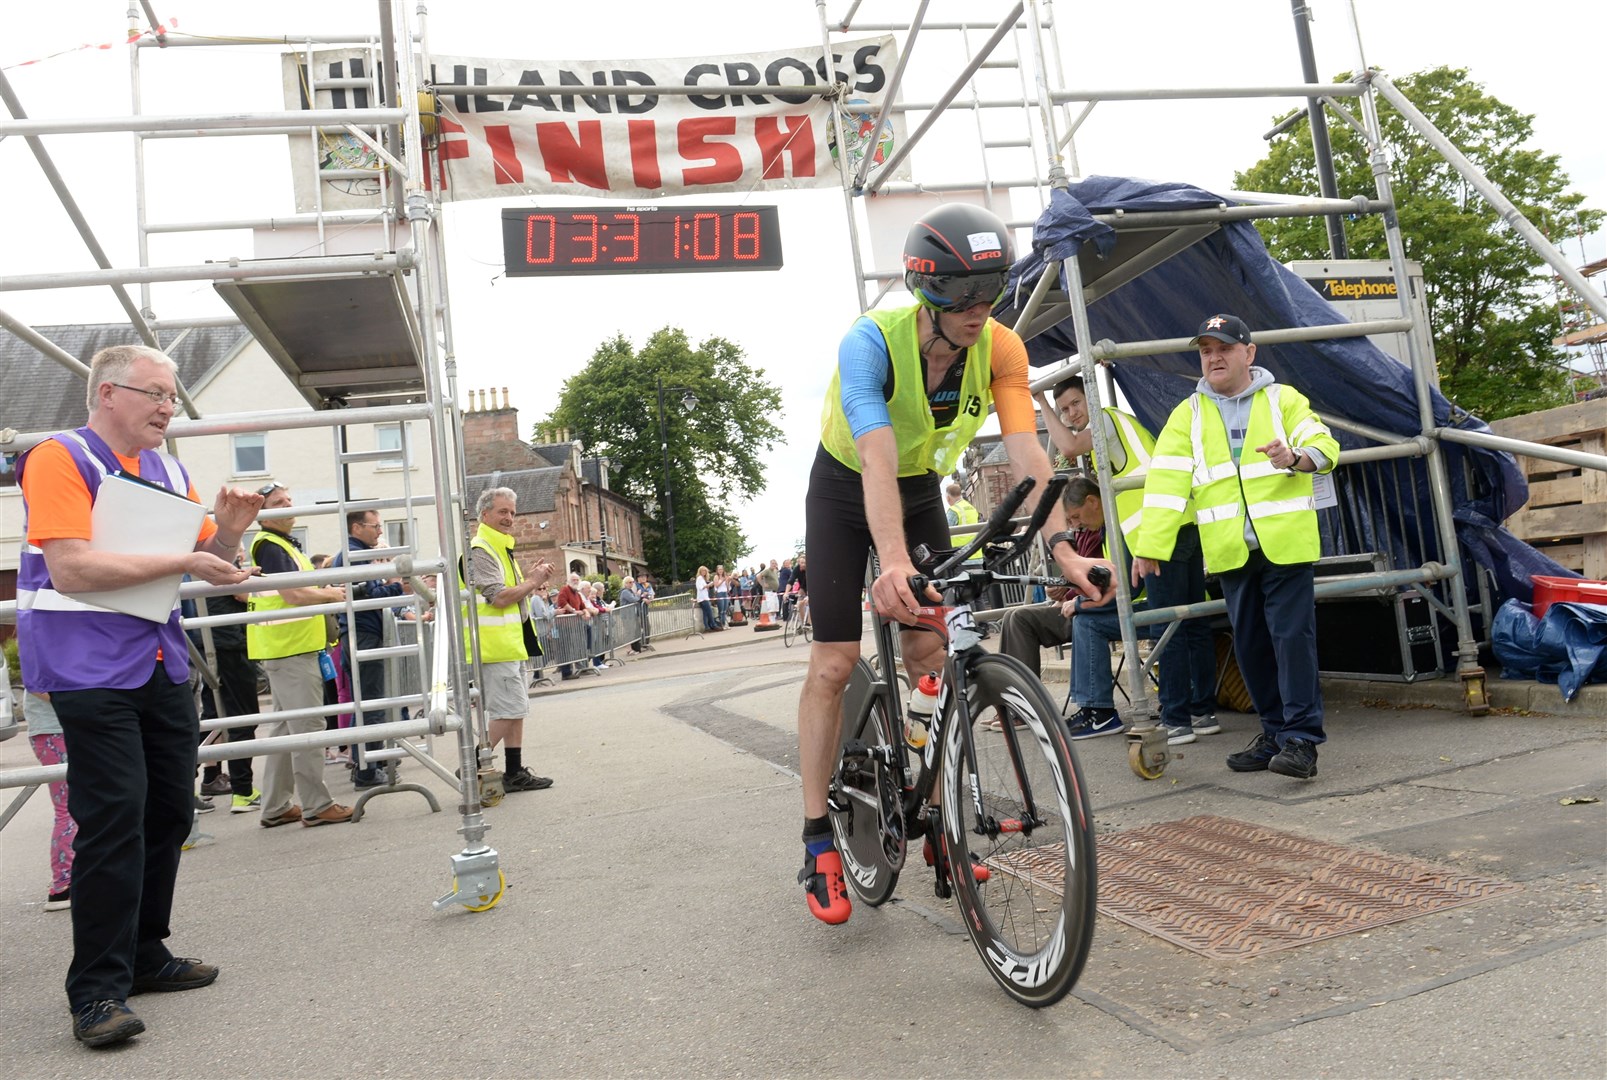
<point>838,542</point>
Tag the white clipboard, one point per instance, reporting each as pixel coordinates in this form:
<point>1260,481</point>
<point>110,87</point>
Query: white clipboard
<point>132,517</point>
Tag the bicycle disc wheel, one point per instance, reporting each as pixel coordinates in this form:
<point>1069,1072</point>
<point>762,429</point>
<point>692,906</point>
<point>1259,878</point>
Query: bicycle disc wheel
<point>863,800</point>
<point>1032,920</point>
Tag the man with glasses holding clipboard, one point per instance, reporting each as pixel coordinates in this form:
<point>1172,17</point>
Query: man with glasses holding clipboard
<point>94,634</point>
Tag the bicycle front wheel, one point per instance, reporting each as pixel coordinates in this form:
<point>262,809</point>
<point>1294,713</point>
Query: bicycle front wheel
<point>789,630</point>
<point>1032,918</point>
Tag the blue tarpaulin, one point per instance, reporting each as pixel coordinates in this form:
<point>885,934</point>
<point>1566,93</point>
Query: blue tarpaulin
<point>1566,646</point>
<point>1230,271</point>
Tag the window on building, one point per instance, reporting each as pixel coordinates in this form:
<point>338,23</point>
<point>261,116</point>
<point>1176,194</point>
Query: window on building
<point>249,454</point>
<point>389,437</point>
<point>396,534</point>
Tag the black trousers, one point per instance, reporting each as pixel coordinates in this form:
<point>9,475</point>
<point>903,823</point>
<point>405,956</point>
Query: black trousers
<point>237,683</point>
<point>130,764</point>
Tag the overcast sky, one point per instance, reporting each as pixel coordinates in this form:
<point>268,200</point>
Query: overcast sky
<point>1541,57</point>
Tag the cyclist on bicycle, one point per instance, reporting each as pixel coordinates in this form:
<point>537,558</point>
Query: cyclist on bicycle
<point>913,386</point>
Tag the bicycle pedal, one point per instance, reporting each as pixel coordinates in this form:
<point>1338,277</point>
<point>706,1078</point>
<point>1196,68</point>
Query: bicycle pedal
<point>942,887</point>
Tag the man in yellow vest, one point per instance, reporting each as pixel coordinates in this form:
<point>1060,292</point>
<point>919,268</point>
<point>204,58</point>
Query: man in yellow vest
<point>913,386</point>
<point>1187,679</point>
<point>288,651</point>
<point>960,512</point>
<point>500,590</point>
<point>1237,457</point>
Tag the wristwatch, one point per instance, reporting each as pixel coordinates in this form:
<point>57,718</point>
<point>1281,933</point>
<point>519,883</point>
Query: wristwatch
<point>1067,536</point>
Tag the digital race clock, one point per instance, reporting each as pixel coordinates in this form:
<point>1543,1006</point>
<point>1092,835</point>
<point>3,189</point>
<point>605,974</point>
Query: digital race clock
<point>639,239</point>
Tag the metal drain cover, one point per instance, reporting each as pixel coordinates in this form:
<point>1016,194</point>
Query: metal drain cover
<point>1228,889</point>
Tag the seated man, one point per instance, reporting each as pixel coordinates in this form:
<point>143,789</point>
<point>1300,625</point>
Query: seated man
<point>1028,630</point>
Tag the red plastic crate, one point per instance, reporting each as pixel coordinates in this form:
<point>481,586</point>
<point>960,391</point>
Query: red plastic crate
<point>1558,590</point>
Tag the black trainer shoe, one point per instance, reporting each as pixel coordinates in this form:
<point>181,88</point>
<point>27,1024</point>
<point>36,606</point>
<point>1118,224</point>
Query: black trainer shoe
<point>525,780</point>
<point>179,973</point>
<point>1253,758</point>
<point>101,1023</point>
<point>1298,758</point>
<point>1090,723</point>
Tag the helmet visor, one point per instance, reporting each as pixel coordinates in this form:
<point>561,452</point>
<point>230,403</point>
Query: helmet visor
<point>957,292</point>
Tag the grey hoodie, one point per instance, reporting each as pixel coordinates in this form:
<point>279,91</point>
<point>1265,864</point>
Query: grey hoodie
<point>1235,412</point>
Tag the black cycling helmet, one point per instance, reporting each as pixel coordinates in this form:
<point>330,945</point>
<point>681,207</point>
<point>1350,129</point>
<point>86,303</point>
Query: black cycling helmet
<point>956,256</point>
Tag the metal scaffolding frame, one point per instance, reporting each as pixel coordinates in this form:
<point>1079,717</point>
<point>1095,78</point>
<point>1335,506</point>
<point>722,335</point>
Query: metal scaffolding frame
<point>1049,305</point>
<point>410,273</point>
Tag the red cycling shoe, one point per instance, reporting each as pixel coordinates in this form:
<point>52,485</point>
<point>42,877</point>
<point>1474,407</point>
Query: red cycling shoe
<point>822,879</point>
<point>979,873</point>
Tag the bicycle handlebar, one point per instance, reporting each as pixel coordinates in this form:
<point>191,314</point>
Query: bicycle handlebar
<point>999,523</point>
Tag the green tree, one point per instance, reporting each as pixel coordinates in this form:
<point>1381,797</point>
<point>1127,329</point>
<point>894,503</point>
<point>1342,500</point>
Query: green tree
<point>1492,311</point>
<point>612,406</point>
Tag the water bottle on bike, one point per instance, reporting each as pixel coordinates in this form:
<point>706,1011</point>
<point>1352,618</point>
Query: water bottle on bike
<point>923,700</point>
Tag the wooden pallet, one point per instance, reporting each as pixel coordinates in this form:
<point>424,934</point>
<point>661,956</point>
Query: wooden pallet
<point>1566,515</point>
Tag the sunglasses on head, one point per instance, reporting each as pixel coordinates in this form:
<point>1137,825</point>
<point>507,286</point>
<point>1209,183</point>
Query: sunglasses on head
<point>267,489</point>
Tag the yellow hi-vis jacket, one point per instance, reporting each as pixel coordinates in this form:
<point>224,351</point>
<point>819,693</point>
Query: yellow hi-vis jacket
<point>922,447</point>
<point>1138,446</point>
<point>501,635</point>
<point>1193,457</point>
<point>964,514</point>
<point>286,637</point>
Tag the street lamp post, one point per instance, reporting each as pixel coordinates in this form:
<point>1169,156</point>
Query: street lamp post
<point>689,402</point>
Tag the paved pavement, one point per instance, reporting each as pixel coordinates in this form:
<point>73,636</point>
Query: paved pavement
<point>651,925</point>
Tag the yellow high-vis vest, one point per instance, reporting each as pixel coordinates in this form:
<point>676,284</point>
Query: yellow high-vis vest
<point>501,635</point>
<point>1138,447</point>
<point>922,447</point>
<point>285,637</point>
<point>1194,459</point>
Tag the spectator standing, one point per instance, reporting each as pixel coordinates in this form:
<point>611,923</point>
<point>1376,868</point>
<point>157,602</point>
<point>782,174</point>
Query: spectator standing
<point>237,689</point>
<point>119,685</point>
<point>572,604</point>
<point>722,594</point>
<point>1186,679</point>
<point>288,651</point>
<point>506,634</point>
<point>44,737</point>
<point>363,533</point>
<point>635,612</point>
<point>710,623</point>
<point>1241,452</point>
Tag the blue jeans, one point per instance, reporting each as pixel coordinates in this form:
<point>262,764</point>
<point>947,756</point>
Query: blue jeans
<point>1185,688</point>
<point>1274,615</point>
<point>708,615</point>
<point>1187,672</point>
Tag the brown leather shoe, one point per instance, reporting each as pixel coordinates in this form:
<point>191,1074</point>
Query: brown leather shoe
<point>289,817</point>
<point>333,814</point>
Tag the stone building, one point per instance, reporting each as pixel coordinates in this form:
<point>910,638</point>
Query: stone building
<point>565,505</point>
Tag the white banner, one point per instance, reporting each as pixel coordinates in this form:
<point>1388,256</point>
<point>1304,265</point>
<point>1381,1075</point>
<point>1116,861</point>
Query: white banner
<point>558,139</point>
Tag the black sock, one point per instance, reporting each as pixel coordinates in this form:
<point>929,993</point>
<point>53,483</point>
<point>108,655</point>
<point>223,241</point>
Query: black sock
<point>513,755</point>
<point>817,835</point>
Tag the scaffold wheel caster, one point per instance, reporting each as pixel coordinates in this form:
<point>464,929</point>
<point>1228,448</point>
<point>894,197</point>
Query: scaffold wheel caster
<point>1135,758</point>
<point>1475,694</point>
<point>491,790</point>
<point>483,902</point>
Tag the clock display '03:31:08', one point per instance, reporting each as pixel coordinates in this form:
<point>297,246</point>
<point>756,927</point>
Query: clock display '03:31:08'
<point>638,239</point>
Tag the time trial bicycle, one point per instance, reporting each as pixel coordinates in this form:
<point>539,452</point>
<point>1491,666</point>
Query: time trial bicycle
<point>997,784</point>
